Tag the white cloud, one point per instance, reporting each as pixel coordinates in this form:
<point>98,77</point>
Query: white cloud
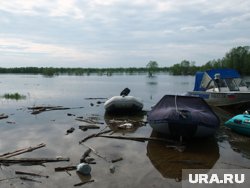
<point>111,31</point>
<point>66,8</point>
<point>193,28</point>
<point>233,21</point>
<point>53,8</point>
<point>21,46</point>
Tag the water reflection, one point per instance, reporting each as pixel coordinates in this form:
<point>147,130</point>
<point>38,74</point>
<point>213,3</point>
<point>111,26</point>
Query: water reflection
<point>200,154</point>
<point>152,80</point>
<point>239,143</point>
<point>124,123</point>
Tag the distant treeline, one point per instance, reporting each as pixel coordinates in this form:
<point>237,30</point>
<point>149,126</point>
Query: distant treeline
<point>52,71</point>
<point>237,58</point>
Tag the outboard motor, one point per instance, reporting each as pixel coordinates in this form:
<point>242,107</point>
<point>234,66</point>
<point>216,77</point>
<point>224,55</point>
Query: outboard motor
<point>125,92</point>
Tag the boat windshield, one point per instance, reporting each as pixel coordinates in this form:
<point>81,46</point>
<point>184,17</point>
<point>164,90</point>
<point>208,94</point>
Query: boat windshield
<point>233,84</point>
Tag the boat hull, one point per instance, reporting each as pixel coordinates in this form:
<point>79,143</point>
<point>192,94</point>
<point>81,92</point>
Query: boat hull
<point>185,116</point>
<point>240,124</point>
<point>186,130</point>
<point>122,104</point>
<point>222,98</point>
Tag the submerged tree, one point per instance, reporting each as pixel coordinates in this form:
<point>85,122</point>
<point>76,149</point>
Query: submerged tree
<point>152,67</point>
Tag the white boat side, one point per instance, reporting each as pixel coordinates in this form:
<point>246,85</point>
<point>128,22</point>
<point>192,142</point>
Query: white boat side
<point>221,87</point>
<point>222,98</point>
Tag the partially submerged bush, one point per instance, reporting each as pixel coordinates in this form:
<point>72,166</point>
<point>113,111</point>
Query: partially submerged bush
<point>15,96</point>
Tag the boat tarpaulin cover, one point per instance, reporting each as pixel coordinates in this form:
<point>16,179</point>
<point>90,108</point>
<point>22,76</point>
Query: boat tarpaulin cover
<point>224,74</point>
<point>184,108</point>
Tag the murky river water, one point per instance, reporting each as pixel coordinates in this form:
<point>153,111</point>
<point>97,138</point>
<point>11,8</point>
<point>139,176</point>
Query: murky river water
<point>144,164</point>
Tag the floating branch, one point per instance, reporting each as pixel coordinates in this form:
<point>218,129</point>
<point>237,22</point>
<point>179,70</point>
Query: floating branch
<point>94,135</point>
<point>89,121</point>
<point>39,109</point>
<point>66,168</point>
<point>86,127</point>
<point>31,160</point>
<point>140,139</point>
<point>82,183</point>
<point>28,179</point>
<point>116,160</point>
<point>20,151</point>
<point>31,174</point>
<point>100,98</point>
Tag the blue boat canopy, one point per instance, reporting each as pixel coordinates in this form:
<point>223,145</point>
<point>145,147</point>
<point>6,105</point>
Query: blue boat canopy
<point>210,75</point>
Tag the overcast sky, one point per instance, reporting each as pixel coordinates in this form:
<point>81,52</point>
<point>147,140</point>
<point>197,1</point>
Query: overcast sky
<point>119,33</point>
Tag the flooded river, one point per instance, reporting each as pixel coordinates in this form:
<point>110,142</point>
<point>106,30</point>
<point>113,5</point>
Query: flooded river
<point>143,164</point>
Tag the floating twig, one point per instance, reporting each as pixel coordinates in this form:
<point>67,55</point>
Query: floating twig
<point>116,160</point>
<point>96,153</point>
<point>28,179</point>
<point>66,168</point>
<point>20,151</point>
<point>140,139</point>
<point>39,109</point>
<point>98,98</point>
<point>31,160</point>
<point>85,127</point>
<point>31,174</point>
<point>94,135</point>
<point>82,183</point>
<point>89,121</point>
<point>86,154</point>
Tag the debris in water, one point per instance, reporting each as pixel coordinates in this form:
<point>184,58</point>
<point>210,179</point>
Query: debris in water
<point>83,168</point>
<point>126,126</point>
<point>39,109</point>
<point>82,183</point>
<point>3,116</point>
<point>31,174</point>
<point>71,130</point>
<point>112,169</point>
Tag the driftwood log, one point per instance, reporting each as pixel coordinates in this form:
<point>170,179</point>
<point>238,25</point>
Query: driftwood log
<point>85,127</point>
<point>89,121</point>
<point>140,139</point>
<point>65,168</point>
<point>30,174</point>
<point>31,160</point>
<point>82,183</point>
<point>39,109</point>
<point>20,151</point>
<point>94,135</point>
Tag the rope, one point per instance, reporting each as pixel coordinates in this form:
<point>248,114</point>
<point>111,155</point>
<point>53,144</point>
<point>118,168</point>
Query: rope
<point>175,100</point>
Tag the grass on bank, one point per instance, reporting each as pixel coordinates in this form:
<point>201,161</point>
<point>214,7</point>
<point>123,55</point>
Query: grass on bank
<point>13,96</point>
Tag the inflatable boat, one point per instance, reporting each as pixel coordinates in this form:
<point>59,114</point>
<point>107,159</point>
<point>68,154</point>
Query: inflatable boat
<point>183,116</point>
<point>239,124</point>
<point>128,104</point>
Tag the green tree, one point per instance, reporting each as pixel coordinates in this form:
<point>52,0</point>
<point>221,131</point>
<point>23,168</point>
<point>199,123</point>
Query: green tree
<point>152,67</point>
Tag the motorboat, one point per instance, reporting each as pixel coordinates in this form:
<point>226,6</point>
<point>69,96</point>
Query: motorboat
<point>183,116</point>
<point>127,104</point>
<point>221,87</point>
